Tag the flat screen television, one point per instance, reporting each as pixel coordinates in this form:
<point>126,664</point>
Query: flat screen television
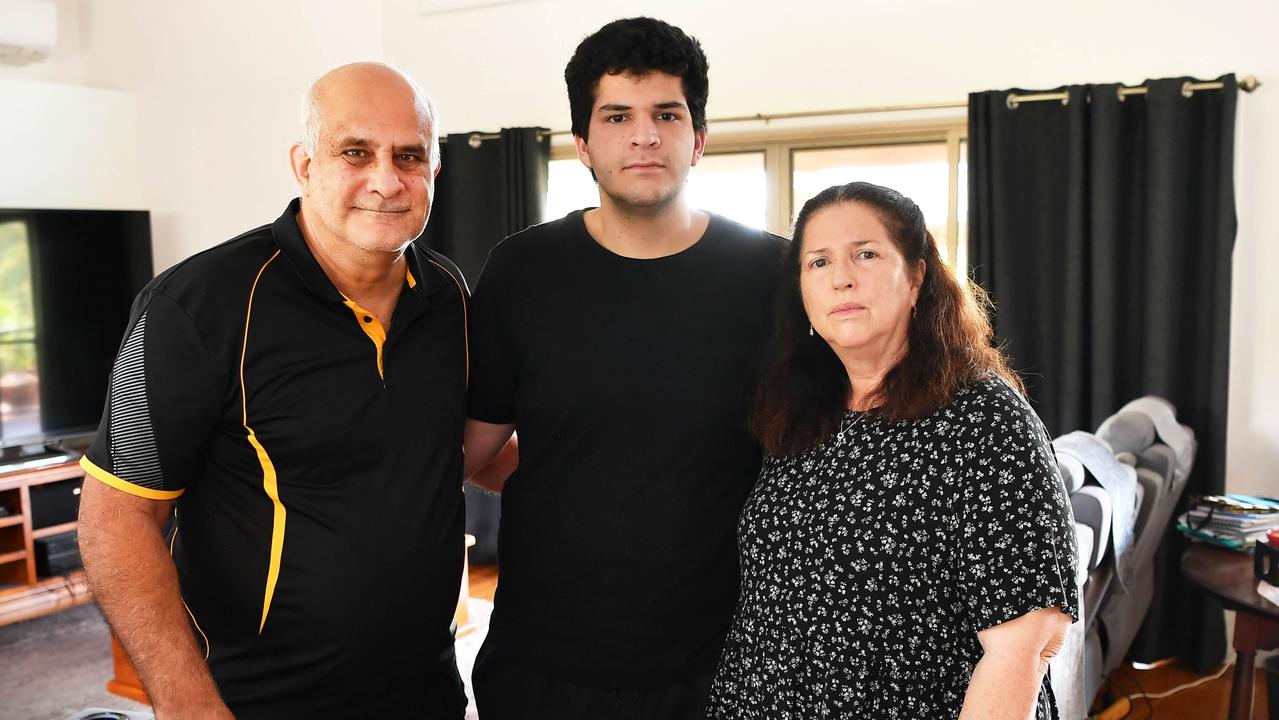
<point>67,282</point>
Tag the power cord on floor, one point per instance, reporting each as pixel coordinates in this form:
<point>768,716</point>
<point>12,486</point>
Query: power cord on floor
<point>1125,703</point>
<point>1187,686</point>
<point>1124,706</point>
<point>1141,693</point>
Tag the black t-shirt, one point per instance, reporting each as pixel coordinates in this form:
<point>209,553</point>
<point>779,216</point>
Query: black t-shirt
<point>625,380</point>
<point>315,461</point>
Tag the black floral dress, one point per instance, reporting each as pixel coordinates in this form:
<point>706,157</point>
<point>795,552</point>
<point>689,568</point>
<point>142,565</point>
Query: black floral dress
<point>870,562</point>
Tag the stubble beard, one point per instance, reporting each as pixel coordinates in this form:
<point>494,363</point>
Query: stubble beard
<point>374,237</point>
<point>653,202</point>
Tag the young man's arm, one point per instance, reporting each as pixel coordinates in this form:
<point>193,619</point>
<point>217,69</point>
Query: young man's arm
<point>135,583</point>
<point>492,454</point>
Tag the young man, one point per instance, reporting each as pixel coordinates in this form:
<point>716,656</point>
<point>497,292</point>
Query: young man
<point>617,341</point>
<point>297,395</point>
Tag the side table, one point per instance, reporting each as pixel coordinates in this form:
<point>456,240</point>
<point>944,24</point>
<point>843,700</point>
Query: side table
<point>1228,576</point>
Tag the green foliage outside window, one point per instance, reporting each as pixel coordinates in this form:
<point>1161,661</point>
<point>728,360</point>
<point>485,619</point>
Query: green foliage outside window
<point>17,315</point>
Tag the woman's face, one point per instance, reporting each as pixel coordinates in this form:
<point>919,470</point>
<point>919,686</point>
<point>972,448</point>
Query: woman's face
<point>856,286</point>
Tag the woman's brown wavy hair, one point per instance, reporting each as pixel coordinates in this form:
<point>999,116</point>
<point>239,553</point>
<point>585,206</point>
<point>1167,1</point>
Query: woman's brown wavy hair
<point>802,392</point>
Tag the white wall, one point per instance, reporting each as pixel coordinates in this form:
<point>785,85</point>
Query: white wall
<point>487,70</point>
<point>66,146</point>
<point>216,88</point>
<point>219,88</point>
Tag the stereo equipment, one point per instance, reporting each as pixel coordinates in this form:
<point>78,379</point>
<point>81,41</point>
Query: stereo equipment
<point>55,503</point>
<point>57,554</point>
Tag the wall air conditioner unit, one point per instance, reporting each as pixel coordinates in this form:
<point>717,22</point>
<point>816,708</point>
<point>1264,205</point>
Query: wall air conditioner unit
<point>28,29</point>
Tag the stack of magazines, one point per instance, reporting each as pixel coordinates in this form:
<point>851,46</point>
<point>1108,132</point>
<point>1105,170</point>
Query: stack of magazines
<point>1233,521</point>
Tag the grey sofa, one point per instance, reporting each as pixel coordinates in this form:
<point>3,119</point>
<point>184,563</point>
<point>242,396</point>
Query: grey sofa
<point>1124,481</point>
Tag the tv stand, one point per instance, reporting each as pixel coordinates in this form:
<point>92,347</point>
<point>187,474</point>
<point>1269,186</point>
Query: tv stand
<point>15,463</point>
<point>24,595</point>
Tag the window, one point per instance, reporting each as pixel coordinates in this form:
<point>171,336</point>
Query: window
<point>19,386</point>
<point>569,187</point>
<point>917,171</point>
<point>763,179</point>
<point>731,184</point>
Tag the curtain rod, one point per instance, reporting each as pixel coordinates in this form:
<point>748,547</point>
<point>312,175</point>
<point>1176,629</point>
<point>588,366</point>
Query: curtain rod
<point>474,139</point>
<point>1248,83</point>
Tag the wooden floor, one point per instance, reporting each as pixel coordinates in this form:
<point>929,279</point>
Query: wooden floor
<point>483,581</point>
<point>1204,702</point>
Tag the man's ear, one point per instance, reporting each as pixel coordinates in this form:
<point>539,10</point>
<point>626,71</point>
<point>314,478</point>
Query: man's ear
<point>301,164</point>
<point>699,145</point>
<point>582,154</point>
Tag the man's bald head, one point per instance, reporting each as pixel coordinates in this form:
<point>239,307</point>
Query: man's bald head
<point>367,164</point>
<point>362,77</point>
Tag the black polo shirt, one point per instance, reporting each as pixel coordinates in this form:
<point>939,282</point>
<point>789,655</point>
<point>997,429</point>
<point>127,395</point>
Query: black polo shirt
<point>315,458</point>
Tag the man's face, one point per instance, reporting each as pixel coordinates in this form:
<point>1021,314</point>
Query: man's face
<point>371,181</point>
<point>642,142</point>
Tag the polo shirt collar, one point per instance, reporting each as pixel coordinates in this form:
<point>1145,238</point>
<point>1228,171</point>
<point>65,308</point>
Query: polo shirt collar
<point>288,237</point>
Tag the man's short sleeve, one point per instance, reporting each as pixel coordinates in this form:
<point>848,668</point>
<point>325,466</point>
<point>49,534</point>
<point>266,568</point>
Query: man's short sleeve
<point>491,396</point>
<point>1016,537</point>
<point>163,404</point>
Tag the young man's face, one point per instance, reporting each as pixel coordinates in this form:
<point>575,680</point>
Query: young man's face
<point>642,142</point>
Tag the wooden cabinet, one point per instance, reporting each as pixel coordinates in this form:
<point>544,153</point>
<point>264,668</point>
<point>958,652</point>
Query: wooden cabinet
<point>23,595</point>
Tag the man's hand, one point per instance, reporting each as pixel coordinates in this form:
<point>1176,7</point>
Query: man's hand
<point>135,583</point>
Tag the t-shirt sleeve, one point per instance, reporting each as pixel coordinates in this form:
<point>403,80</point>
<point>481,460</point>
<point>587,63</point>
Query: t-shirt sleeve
<point>1016,537</point>
<point>491,393</point>
<point>163,404</point>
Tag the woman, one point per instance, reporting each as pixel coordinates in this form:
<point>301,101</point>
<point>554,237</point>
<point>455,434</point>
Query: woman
<point>908,550</point>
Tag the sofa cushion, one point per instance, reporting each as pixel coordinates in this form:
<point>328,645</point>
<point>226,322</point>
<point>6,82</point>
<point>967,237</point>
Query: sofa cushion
<point>1161,460</point>
<point>1152,487</point>
<point>1127,431</point>
<point>1084,541</point>
<point>1072,473</point>
<point>1119,482</point>
<point>1091,507</point>
<point>1173,434</point>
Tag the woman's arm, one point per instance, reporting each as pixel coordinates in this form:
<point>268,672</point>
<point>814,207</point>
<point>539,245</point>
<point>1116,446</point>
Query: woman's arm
<point>1005,683</point>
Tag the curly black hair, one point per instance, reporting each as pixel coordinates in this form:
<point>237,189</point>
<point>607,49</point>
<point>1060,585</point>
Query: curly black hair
<point>637,46</point>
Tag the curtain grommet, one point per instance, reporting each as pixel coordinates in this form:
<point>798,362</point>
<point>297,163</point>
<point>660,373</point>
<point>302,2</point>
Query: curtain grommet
<point>1186,90</point>
<point>475,141</point>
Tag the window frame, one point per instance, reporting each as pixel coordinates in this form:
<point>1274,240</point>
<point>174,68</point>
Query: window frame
<point>779,144</point>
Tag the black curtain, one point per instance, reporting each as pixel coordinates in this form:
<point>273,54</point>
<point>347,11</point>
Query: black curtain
<point>1103,229</point>
<point>486,190</point>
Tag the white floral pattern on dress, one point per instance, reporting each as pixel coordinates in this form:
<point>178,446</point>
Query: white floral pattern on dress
<point>870,562</point>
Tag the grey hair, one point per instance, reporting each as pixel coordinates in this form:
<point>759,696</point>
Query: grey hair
<point>427,115</point>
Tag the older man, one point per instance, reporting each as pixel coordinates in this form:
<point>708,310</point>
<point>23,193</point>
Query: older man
<point>296,395</point>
